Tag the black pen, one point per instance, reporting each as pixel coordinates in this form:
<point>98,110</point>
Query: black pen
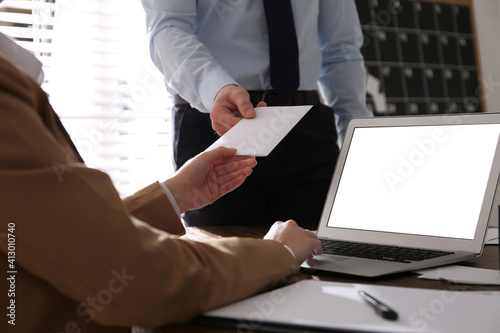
<point>382,309</point>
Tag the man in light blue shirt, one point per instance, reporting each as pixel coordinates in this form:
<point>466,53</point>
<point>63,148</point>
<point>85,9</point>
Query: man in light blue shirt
<point>214,55</point>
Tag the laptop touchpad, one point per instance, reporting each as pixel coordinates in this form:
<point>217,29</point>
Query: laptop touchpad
<point>321,262</point>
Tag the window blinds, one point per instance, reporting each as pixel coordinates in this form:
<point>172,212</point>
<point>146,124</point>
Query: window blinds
<point>101,82</point>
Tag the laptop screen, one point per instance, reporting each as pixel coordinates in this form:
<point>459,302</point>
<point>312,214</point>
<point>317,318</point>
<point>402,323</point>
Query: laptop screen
<point>418,180</point>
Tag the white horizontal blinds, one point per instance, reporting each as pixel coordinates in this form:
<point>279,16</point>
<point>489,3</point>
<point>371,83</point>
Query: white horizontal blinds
<point>31,23</point>
<point>103,85</point>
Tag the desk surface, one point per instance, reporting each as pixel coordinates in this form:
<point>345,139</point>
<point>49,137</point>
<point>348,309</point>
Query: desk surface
<point>489,259</point>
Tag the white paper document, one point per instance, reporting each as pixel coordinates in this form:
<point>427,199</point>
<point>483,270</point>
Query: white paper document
<point>491,236</point>
<point>332,305</point>
<point>258,136</point>
<point>462,274</point>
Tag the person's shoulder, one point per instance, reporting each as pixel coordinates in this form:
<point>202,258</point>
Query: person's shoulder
<point>13,80</point>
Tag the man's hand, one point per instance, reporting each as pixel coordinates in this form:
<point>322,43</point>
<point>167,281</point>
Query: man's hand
<point>208,176</point>
<point>303,243</point>
<point>231,104</point>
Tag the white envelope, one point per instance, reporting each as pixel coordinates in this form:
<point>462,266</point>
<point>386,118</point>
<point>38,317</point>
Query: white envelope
<point>258,136</point>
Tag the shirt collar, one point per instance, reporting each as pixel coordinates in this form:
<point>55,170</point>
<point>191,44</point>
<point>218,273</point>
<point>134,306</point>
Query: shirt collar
<point>21,57</point>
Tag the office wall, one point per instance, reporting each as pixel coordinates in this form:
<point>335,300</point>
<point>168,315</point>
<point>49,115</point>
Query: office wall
<point>487,14</point>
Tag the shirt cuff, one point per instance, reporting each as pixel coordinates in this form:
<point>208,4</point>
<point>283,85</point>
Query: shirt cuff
<point>210,86</point>
<point>290,250</point>
<point>170,197</point>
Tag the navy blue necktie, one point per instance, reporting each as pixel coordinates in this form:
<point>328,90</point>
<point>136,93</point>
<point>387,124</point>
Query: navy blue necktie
<point>283,48</point>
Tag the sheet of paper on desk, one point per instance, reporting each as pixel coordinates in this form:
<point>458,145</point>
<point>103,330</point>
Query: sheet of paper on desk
<point>332,305</point>
<point>462,274</point>
<point>491,236</point>
<point>258,136</point>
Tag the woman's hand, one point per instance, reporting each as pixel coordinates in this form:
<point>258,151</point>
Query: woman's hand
<point>208,176</point>
<point>302,242</point>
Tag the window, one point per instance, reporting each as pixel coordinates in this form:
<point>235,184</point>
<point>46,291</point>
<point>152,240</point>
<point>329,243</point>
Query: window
<point>101,82</point>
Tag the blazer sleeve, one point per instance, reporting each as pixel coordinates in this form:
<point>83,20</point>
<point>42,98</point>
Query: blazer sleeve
<point>74,232</point>
<point>152,205</point>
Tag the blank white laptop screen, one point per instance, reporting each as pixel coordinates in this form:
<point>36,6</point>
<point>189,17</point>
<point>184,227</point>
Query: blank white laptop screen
<point>427,165</point>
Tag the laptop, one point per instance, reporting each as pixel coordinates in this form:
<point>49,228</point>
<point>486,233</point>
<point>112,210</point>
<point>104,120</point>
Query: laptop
<point>410,192</point>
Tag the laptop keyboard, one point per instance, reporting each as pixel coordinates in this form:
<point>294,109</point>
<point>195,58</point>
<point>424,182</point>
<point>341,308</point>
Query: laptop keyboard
<point>379,252</point>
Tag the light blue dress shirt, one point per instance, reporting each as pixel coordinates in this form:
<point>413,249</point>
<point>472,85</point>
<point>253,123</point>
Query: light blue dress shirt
<point>201,46</point>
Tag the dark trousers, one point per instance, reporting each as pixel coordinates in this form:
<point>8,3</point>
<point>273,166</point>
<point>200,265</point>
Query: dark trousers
<point>290,183</point>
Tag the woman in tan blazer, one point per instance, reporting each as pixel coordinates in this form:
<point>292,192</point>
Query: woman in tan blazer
<point>79,259</point>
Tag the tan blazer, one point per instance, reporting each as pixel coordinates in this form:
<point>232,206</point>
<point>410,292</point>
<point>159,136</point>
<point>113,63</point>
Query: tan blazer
<point>86,261</point>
